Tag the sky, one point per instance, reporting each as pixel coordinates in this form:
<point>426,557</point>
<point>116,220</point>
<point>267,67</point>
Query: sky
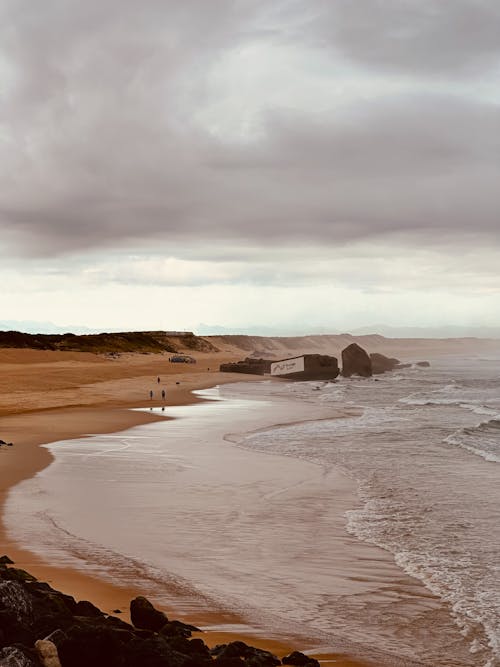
<point>298,165</point>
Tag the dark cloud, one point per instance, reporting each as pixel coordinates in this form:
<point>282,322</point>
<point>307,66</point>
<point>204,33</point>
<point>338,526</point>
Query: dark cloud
<point>100,141</point>
<point>431,37</point>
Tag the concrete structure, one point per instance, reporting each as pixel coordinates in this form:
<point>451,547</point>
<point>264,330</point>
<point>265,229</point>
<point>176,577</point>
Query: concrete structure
<point>306,367</point>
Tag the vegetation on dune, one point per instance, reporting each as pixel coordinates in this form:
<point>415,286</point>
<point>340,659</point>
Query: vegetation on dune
<point>143,342</point>
<point>103,343</point>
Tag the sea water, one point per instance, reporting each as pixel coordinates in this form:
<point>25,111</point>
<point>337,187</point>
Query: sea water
<point>422,445</point>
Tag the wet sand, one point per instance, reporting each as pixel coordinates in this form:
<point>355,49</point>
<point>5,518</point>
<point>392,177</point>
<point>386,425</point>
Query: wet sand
<point>47,397</point>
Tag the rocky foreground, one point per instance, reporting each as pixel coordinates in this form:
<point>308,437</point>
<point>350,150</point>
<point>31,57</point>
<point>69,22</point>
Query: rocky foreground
<point>42,627</point>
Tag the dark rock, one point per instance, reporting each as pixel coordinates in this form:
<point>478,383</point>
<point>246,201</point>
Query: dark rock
<point>238,649</point>
<point>117,611</point>
<point>224,661</point>
<point>86,608</point>
<point>18,656</point>
<point>178,629</point>
<point>58,604</point>
<point>153,652</point>
<point>300,660</point>
<point>52,600</point>
<point>382,364</point>
<point>198,647</point>
<point>15,600</point>
<point>191,647</point>
<point>355,361</point>
<point>123,625</point>
<point>14,631</point>
<point>91,642</point>
<point>423,364</point>
<point>144,615</point>
<point>34,614</point>
<point>57,637</point>
<point>5,560</point>
<point>15,574</point>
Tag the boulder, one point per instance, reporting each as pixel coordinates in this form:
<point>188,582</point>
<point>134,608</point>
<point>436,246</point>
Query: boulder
<point>230,653</point>
<point>195,648</point>
<point>355,361</point>
<point>144,615</point>
<point>86,608</point>
<point>16,601</point>
<point>300,660</point>
<point>178,629</point>
<point>47,653</point>
<point>382,364</point>
<point>155,652</point>
<point>16,656</point>
<point>423,364</point>
<point>41,627</point>
<point>92,645</point>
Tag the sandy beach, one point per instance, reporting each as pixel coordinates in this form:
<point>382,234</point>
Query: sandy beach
<point>51,396</point>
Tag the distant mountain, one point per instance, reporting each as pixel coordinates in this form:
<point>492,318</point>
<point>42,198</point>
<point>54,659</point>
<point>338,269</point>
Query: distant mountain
<point>449,331</point>
<point>220,330</point>
<point>35,327</point>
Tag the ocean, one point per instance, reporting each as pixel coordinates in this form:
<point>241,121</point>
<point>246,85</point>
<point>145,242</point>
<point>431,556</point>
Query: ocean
<point>245,503</point>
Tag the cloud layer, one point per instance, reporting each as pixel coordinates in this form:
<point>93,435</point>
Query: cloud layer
<point>107,134</point>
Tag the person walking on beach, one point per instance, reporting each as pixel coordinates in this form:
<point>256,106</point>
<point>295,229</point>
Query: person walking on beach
<point>163,394</point>
<point>158,378</point>
<point>151,394</point>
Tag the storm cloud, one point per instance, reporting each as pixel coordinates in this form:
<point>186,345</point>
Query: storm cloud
<point>107,136</point>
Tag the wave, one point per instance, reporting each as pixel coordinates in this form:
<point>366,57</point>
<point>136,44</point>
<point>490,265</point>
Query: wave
<point>457,395</point>
<point>482,440</point>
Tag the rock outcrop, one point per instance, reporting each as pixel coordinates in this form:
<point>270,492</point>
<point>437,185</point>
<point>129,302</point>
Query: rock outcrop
<point>144,615</point>
<point>355,361</point>
<point>382,364</point>
<point>41,627</point>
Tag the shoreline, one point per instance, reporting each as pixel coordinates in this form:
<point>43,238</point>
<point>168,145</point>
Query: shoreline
<point>53,416</point>
<point>30,430</point>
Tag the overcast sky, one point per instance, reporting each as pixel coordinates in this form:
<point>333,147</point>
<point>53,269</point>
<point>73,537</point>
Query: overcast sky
<point>293,164</point>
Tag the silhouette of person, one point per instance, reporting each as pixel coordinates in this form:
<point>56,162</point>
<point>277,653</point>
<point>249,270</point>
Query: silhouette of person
<point>163,394</point>
<point>151,394</point>
<point>158,380</point>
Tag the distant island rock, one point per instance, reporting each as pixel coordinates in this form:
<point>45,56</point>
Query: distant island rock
<point>355,361</point>
<point>382,364</point>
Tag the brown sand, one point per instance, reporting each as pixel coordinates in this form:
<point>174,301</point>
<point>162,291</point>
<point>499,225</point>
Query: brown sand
<point>48,396</point>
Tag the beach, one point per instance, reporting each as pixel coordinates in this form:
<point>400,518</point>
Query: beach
<point>51,396</point>
<point>68,396</point>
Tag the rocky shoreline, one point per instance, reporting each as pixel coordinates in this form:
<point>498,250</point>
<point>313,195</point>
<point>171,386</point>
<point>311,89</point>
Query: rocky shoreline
<point>42,627</point>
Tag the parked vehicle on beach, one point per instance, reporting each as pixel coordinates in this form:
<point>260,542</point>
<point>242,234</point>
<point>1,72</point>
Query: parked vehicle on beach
<point>182,359</point>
